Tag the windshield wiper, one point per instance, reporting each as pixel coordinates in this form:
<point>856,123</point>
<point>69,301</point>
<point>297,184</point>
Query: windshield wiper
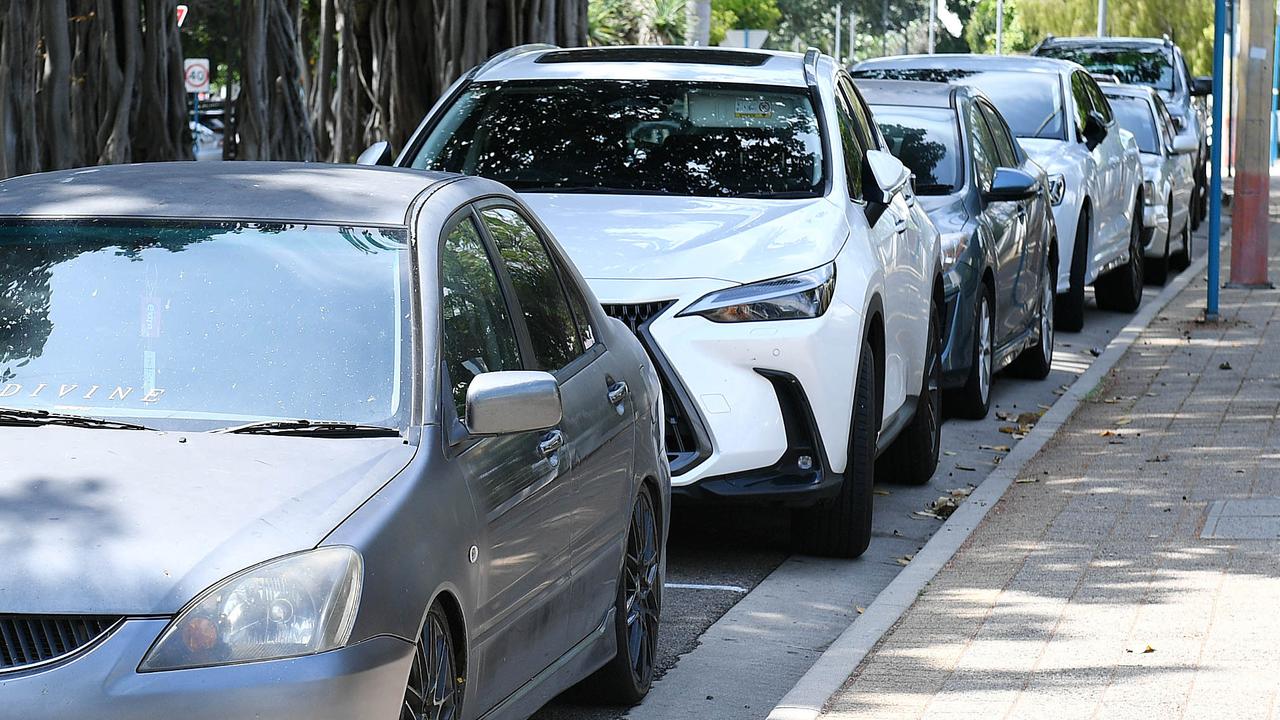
<point>317,428</point>
<point>21,417</point>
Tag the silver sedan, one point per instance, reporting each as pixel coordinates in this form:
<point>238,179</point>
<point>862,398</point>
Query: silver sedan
<point>300,441</point>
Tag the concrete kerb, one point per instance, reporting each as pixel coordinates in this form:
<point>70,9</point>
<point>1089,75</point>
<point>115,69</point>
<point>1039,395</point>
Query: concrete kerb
<point>811,694</point>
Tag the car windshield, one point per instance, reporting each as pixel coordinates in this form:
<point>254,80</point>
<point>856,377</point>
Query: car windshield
<point>1152,67</point>
<point>204,325</point>
<point>926,141</point>
<point>1134,115</point>
<point>1031,102</point>
<point>639,137</point>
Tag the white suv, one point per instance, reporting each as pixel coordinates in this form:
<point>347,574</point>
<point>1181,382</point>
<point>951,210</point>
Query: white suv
<point>1065,124</point>
<point>739,211</point>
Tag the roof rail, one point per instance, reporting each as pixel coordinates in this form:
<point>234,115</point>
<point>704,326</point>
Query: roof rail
<point>514,52</point>
<point>811,67</point>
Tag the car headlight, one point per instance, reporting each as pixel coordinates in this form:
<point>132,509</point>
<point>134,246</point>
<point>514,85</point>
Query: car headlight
<point>295,605</point>
<point>1149,192</point>
<point>1057,188</point>
<point>953,245</point>
<point>794,297</point>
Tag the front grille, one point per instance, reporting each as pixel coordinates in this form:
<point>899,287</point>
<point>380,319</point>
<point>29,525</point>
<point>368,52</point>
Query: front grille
<point>684,448</point>
<point>33,639</point>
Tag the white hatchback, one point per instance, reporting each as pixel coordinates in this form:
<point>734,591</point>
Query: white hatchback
<point>740,212</point>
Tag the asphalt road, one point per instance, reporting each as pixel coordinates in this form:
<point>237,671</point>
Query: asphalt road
<point>777,611</point>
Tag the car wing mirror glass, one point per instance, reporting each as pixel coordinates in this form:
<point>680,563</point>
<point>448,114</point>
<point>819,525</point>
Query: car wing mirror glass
<point>1185,144</point>
<point>1011,184</point>
<point>378,153</point>
<point>501,403</point>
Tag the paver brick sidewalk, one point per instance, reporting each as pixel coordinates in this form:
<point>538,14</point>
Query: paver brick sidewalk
<point>1090,593</point>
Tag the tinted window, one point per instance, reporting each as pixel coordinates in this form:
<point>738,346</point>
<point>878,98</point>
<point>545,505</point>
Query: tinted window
<point>1031,102</point>
<point>982,147</point>
<point>477,330</point>
<point>632,136</point>
<point>926,140</point>
<point>853,151</point>
<point>1134,115</point>
<point>537,284</point>
<point>1098,100</point>
<point>1084,103</point>
<point>200,325</point>
<point>1008,157</point>
<point>1136,66</point>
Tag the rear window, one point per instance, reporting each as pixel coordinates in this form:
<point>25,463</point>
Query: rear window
<point>632,137</point>
<point>1148,66</point>
<point>1031,102</point>
<point>926,140</point>
<point>1134,115</point>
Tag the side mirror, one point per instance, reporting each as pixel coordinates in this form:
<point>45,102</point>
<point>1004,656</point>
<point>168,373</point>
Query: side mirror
<point>890,175</point>
<point>1202,86</point>
<point>501,403</point>
<point>1011,184</point>
<point>378,153</point>
<point>1095,129</point>
<point>1185,144</point>
<point>1179,122</point>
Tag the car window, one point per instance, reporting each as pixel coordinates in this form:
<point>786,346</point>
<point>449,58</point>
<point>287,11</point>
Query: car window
<point>852,149</point>
<point>1098,100</point>
<point>861,115</point>
<point>581,315</point>
<point>1134,115</point>
<point>478,335</point>
<point>1165,122</point>
<point>552,328</point>
<point>1008,157</point>
<point>633,137</point>
<point>1084,103</point>
<point>1151,66</point>
<point>927,141</point>
<point>982,147</point>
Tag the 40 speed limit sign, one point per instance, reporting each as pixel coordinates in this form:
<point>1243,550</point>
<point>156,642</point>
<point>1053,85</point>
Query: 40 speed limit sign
<point>195,71</point>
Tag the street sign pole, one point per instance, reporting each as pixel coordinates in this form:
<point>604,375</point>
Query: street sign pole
<point>835,51</point>
<point>999,27</point>
<point>1102,18</point>
<point>933,20</point>
<point>1215,159</point>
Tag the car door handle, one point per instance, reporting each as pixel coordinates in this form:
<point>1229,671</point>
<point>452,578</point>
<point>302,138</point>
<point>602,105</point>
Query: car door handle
<point>550,444</point>
<point>618,392</point>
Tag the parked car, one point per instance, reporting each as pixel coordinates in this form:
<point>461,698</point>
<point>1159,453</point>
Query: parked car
<point>306,441</point>
<point>1064,122</point>
<point>990,202</point>
<point>1168,176</point>
<point>741,212</point>
<point>208,142</point>
<point>1159,64</point>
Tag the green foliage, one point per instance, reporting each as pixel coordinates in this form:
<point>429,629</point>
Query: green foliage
<point>742,15</point>
<point>980,31</point>
<point>811,23</point>
<point>622,22</point>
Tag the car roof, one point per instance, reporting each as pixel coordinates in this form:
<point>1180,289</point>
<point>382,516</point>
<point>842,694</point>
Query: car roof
<point>265,191</point>
<point>914,93</point>
<point>968,62</point>
<point>704,64</point>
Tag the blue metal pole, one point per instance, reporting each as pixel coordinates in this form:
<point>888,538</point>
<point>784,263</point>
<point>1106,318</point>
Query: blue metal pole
<point>1215,160</point>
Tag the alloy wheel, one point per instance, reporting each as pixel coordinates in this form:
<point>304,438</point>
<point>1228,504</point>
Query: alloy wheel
<point>642,594</point>
<point>1046,318</point>
<point>933,363</point>
<point>985,350</point>
<point>432,693</point>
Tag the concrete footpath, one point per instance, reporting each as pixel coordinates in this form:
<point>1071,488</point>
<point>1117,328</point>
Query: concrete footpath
<point>1133,568</point>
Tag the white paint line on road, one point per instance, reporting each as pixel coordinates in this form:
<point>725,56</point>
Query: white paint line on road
<point>697,586</point>
<point>810,695</point>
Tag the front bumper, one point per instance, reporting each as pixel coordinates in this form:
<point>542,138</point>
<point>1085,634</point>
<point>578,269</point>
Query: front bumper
<point>364,680</point>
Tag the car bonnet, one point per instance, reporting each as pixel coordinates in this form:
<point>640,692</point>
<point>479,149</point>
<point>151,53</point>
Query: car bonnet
<point>138,523</point>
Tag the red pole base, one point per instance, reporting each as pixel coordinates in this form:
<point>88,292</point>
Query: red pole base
<point>1250,229</point>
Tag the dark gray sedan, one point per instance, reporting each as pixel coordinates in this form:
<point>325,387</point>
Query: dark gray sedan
<point>990,204</point>
<point>300,441</point>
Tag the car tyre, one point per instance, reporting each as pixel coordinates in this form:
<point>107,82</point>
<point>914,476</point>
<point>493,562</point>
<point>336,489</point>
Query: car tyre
<point>1181,260</point>
<point>841,526</point>
<point>434,690</point>
<point>1156,270</point>
<point>973,401</point>
<point>1036,361</point>
<point>1121,289</point>
<point>1070,307</point>
<point>913,456</point>
<point>626,679</point>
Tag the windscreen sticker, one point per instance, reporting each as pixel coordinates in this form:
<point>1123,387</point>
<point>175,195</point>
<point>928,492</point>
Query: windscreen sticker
<point>753,109</point>
<point>117,393</point>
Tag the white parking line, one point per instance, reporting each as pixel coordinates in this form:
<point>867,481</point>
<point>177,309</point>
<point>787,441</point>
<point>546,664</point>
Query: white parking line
<point>696,586</point>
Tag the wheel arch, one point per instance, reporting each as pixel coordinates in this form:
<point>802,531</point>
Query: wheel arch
<point>448,601</point>
<point>875,335</point>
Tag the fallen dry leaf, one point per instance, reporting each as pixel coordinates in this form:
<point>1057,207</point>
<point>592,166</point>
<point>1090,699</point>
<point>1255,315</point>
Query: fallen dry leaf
<point>1124,421</point>
<point>994,448</point>
<point>949,453</point>
<point>1025,480</point>
<point>860,609</point>
<point>878,491</point>
<point>905,559</point>
<point>966,468</point>
<point>1008,429</point>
